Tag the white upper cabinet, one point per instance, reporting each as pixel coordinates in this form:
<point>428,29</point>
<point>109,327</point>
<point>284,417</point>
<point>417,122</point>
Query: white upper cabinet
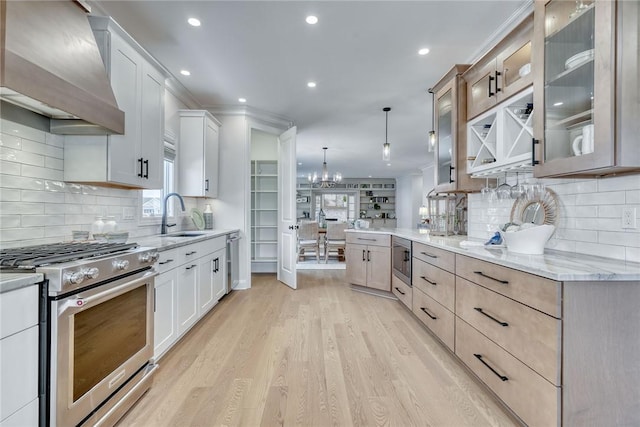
<point>198,153</point>
<point>134,159</point>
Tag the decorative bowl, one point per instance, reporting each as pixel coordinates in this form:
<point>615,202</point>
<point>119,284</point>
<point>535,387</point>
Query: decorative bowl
<point>528,241</point>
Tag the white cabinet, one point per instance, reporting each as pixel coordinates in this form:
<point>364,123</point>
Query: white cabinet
<point>165,330</point>
<point>192,280</point>
<point>198,153</point>
<point>187,299</point>
<point>134,159</point>
<point>19,356</point>
<point>499,140</point>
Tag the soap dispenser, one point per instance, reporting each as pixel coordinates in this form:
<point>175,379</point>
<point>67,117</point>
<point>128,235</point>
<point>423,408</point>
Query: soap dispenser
<point>208,217</point>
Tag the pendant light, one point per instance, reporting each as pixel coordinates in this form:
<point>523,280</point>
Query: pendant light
<point>325,181</point>
<point>432,133</point>
<point>386,147</point>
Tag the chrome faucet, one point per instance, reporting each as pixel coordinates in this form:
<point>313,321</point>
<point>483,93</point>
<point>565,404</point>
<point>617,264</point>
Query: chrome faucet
<point>164,226</point>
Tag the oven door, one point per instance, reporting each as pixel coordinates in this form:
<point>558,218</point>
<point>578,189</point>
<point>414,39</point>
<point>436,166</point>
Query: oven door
<point>100,338</point>
<point>401,259</point>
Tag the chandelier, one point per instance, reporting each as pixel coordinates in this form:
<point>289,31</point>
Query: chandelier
<point>323,180</point>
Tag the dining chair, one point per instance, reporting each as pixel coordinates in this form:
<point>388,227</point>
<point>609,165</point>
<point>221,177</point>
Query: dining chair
<point>308,238</point>
<point>335,239</point>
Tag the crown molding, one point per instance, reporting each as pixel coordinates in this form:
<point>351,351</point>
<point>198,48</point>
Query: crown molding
<point>182,93</point>
<point>257,115</point>
<point>525,9</point>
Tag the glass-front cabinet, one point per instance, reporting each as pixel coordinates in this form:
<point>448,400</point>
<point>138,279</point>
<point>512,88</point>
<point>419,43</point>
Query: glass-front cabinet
<point>450,126</point>
<point>576,79</point>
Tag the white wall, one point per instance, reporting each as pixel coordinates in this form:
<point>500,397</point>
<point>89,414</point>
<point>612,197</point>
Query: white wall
<point>590,216</point>
<point>408,200</point>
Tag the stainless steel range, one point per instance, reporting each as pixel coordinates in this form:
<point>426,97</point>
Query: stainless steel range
<point>98,307</point>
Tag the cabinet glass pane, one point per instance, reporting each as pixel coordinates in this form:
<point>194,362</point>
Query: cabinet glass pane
<point>569,78</point>
<point>480,89</point>
<point>517,65</point>
<point>445,137</point>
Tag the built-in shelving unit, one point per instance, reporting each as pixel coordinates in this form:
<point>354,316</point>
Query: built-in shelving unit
<point>264,213</point>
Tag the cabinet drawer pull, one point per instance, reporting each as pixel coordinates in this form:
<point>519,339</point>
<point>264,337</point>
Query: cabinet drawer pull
<point>399,290</point>
<point>480,273</point>
<point>146,169</point>
<point>428,281</point>
<point>427,313</point>
<point>502,377</point>
<point>140,164</point>
<point>368,240</point>
<point>491,78</point>
<point>479,310</point>
<point>206,185</point>
<point>191,253</point>
<point>165,262</point>
<point>498,73</point>
<point>429,255</point>
<point>364,258</point>
<point>534,142</point>
<point>368,256</point>
<point>190,267</point>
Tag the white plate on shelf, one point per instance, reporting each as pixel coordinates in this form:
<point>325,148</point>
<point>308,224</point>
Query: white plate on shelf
<point>579,59</point>
<point>197,218</point>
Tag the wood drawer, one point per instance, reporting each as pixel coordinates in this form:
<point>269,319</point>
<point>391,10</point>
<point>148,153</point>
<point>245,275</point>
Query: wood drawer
<point>371,239</point>
<point>529,395</point>
<point>534,291</point>
<point>402,291</point>
<point>191,252</point>
<point>435,282</point>
<point>531,336</point>
<point>438,257</point>
<point>167,260</point>
<point>435,316</point>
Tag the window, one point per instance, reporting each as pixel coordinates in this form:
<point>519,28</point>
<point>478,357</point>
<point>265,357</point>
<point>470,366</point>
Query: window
<point>152,199</point>
<point>341,206</point>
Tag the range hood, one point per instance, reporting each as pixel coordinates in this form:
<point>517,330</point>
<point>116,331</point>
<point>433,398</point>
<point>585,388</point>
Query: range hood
<point>50,64</point>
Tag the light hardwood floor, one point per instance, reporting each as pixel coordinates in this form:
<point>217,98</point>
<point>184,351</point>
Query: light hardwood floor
<point>322,355</point>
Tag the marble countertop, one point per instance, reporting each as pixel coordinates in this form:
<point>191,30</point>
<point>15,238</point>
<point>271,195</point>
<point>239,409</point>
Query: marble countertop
<point>170,241</point>
<point>555,265</point>
<point>13,281</point>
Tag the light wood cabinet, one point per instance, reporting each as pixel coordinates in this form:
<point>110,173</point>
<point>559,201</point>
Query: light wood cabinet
<point>402,291</point>
<point>502,72</point>
<point>450,125</point>
<point>199,153</point>
<point>134,159</point>
<point>586,88</point>
<point>435,282</point>
<point>368,258</point>
<point>438,257</point>
<point>435,316</point>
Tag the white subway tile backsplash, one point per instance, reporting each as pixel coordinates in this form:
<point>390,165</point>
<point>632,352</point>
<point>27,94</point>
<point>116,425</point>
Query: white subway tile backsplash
<point>621,238</point>
<point>598,249</point>
<point>41,148</point>
<point>21,208</point>
<point>580,211</point>
<point>79,199</point>
<point>53,163</point>
<point>10,141</point>
<point>11,181</point>
<point>55,140</point>
<point>632,254</point>
<point>21,233</point>
<point>42,196</point>
<point>632,196</point>
<point>54,185</point>
<point>606,198</point>
<point>42,220</point>
<point>60,232</point>
<point>618,183</point>
<point>12,155</point>
<point>44,173</point>
<point>55,208</point>
<point>9,168</point>
<point>75,219</point>
<point>22,131</point>
<point>9,221</point>
<point>577,235</point>
<point>9,195</point>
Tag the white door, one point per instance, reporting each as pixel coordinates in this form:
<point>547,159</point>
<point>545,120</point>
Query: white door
<point>287,208</point>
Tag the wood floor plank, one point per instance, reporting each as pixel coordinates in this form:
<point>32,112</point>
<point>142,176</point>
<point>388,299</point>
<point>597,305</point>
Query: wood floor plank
<point>322,355</point>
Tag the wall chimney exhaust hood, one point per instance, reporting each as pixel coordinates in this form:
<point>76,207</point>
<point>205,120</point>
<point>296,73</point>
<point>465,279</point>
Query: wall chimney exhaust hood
<point>50,64</point>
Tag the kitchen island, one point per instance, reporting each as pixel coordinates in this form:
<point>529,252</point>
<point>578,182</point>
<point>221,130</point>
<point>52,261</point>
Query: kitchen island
<point>555,336</point>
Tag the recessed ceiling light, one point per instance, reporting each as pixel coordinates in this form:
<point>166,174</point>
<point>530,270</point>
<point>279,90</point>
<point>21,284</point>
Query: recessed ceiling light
<point>185,72</point>
<point>242,99</point>
<point>311,84</point>
<point>557,104</point>
<point>193,22</point>
<point>423,51</point>
<point>388,164</point>
<point>312,19</point>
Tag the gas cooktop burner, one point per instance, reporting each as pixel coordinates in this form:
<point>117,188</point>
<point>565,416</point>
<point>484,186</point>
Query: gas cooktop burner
<point>54,253</point>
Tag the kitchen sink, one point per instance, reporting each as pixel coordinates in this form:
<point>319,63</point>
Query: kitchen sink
<point>184,235</point>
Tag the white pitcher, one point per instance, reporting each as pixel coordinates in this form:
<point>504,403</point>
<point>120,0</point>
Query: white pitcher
<point>584,144</point>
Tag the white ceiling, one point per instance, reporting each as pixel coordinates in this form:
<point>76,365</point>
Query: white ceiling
<point>362,54</point>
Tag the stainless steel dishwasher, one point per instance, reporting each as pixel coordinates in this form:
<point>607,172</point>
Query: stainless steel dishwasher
<point>233,264</point>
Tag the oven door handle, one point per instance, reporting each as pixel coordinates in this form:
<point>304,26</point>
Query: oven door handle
<point>75,304</point>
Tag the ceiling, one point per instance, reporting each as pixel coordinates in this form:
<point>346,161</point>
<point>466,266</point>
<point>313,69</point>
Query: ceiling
<point>362,55</point>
